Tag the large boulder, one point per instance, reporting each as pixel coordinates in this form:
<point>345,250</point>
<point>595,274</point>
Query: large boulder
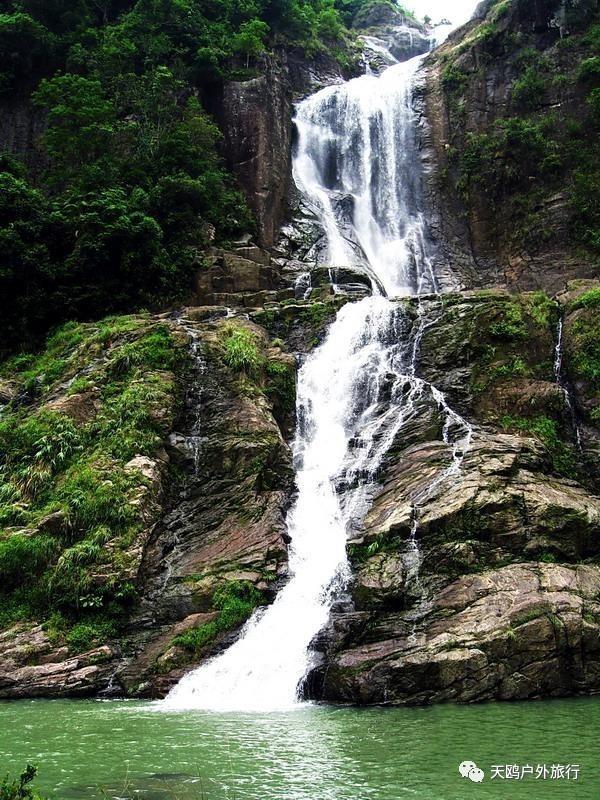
<point>523,631</point>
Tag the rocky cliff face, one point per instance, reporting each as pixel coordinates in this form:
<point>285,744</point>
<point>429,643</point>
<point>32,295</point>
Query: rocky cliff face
<point>204,500</point>
<point>469,583</point>
<point>507,102</point>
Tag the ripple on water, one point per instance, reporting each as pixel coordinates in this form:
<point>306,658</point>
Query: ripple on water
<point>87,749</point>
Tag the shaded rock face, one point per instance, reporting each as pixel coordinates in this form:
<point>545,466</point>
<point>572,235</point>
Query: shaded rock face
<point>256,119</point>
<point>243,277</point>
<point>515,232</point>
<point>21,126</point>
<point>479,582</point>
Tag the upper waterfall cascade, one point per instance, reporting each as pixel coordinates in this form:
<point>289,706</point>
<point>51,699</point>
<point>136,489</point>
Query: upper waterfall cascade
<point>358,167</point>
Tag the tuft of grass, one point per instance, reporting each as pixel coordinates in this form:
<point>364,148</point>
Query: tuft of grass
<point>235,601</point>
<point>241,351</point>
<point>546,431</point>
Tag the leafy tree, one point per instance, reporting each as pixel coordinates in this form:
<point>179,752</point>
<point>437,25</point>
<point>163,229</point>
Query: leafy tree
<point>81,126</point>
<point>25,257</point>
<point>251,39</point>
<point>132,171</point>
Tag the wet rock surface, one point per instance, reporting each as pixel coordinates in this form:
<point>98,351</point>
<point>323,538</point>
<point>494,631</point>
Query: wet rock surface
<point>519,632</point>
<point>479,582</point>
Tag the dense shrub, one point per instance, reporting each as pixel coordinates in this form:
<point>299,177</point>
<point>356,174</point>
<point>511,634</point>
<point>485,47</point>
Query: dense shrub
<point>68,514</point>
<point>20,789</point>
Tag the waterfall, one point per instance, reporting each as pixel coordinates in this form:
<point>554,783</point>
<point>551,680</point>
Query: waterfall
<point>357,165</point>
<point>561,381</point>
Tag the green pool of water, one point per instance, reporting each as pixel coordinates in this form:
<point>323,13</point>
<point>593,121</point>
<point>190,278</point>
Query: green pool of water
<point>93,749</point>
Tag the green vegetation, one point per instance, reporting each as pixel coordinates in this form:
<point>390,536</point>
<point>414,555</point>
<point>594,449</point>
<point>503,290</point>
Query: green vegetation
<point>241,350</point>
<point>127,181</point>
<point>68,512</point>
<point>513,337</point>
<point>583,362</point>
<point>547,139</point>
<point>528,91</point>
<point>20,789</point>
<point>589,299</point>
<point>281,387</point>
<point>501,161</point>
<point>244,353</point>
<point>546,430</point>
<point>235,602</point>
<point>512,324</point>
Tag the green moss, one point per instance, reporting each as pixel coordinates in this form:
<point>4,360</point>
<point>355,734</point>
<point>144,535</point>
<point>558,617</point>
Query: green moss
<point>281,387</point>
<point>528,616</point>
<point>235,602</point>
<point>510,337</point>
<point>500,9</point>
<point>454,78</point>
<point>584,361</point>
<point>546,430</point>
<point>512,324</point>
<point>480,35</point>
<point>589,299</point>
<point>501,161</point>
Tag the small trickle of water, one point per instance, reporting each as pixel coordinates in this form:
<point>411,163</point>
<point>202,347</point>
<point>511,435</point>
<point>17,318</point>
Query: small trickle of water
<point>196,437</point>
<point>561,382</point>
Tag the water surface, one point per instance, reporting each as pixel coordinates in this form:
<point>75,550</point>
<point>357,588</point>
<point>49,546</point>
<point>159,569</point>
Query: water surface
<point>93,749</point>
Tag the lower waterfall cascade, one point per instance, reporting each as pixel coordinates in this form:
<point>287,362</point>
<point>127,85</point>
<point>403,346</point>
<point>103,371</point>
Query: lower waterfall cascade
<point>358,168</point>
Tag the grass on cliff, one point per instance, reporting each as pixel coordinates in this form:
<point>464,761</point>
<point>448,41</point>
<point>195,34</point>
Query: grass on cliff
<point>245,354</point>
<point>512,338</point>
<point>235,602</point>
<point>96,397</point>
<point>546,142</point>
<point>546,430</point>
<point>583,354</point>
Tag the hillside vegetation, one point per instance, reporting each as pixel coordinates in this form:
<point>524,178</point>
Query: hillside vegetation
<point>116,201</point>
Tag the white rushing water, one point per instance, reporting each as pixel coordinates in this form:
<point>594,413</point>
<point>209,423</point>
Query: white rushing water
<point>357,164</point>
